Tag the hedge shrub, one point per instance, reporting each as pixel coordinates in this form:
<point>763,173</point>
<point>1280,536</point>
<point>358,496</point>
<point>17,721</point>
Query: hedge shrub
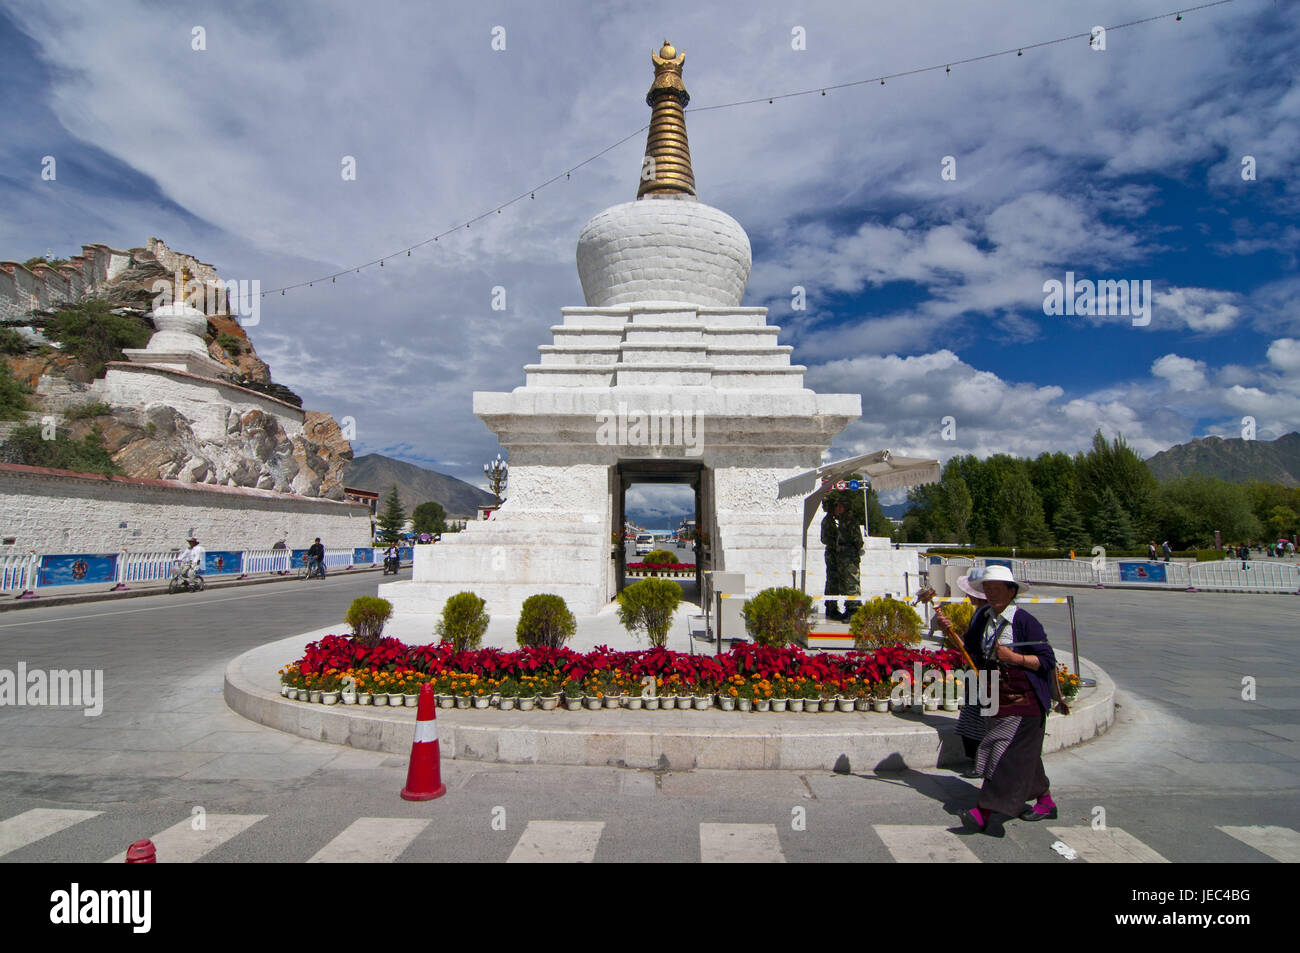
<point>779,616</point>
<point>660,557</point>
<point>649,606</point>
<point>367,616</point>
<point>885,622</point>
<point>546,621</point>
<point>464,620</point>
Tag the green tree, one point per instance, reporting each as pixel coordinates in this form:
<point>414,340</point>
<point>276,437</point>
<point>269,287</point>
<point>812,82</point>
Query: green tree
<point>648,606</point>
<point>1070,532</point>
<point>429,518</point>
<point>1020,511</point>
<point>94,334</point>
<point>1112,526</point>
<point>26,445</point>
<point>1053,476</point>
<point>13,395</point>
<point>1116,467</point>
<point>877,523</point>
<point>393,517</point>
<point>1190,508</point>
<point>11,342</point>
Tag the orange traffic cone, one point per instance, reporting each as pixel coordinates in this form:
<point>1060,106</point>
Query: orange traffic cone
<point>424,777</point>
<point>141,852</point>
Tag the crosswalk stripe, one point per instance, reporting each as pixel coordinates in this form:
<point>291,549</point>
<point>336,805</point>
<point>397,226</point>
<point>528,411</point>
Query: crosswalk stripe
<point>740,844</point>
<point>1108,846</point>
<point>557,842</point>
<point>30,826</point>
<point>370,840</point>
<point>182,844</point>
<point>924,844</point>
<point>1280,843</point>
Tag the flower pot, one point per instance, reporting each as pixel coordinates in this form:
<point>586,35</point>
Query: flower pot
<point>462,701</point>
<point>548,702</point>
<point>830,704</point>
<point>349,698</point>
<point>284,690</point>
<point>667,701</point>
<point>380,698</point>
<point>411,699</point>
<point>613,701</point>
<point>365,698</point>
<point>314,695</point>
<point>330,698</point>
<point>744,704</point>
<point>446,701</point>
<point>726,703</point>
<point>703,702</point>
<point>508,702</point>
<point>844,704</point>
<point>880,704</point>
<point>573,704</point>
<point>396,699</point>
<point>651,702</point>
<point>780,704</point>
<point>482,701</point>
<point>951,705</point>
<point>592,702</point>
<point>900,704</point>
<point>796,704</point>
<point>634,702</point>
<point>526,704</point>
<point>812,704</point>
<point>762,704</point>
<point>684,702</point>
<point>931,704</point>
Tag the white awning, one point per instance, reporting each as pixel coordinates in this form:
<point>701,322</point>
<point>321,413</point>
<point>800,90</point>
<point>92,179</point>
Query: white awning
<point>884,471</point>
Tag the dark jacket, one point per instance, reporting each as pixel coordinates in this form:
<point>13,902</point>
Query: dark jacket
<point>316,551</point>
<point>1027,638</point>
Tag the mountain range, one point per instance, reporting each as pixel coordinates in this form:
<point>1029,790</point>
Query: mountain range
<point>415,485</point>
<point>1234,460</point>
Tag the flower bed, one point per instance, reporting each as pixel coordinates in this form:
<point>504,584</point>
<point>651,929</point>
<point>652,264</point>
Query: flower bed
<point>747,678</point>
<point>663,569</point>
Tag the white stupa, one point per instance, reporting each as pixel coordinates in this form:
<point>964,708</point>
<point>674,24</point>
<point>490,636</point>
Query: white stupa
<point>178,342</point>
<point>661,377</point>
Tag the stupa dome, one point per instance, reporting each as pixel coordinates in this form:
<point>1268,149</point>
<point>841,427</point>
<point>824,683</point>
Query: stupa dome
<point>181,327</point>
<point>667,245</point>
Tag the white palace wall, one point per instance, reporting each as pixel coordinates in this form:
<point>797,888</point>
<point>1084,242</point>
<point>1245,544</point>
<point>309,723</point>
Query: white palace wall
<point>53,511</point>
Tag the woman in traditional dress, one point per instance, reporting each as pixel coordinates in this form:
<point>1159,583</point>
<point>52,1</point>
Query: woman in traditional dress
<point>1010,756</point>
<point>970,725</point>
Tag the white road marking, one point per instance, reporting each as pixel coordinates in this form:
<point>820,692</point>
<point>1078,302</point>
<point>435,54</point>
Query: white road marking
<point>924,844</point>
<point>1109,846</point>
<point>557,842</point>
<point>1280,843</point>
<point>182,844</point>
<point>740,844</point>
<point>30,826</point>
<point>371,840</point>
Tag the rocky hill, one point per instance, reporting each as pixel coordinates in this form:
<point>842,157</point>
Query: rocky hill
<point>157,440</point>
<point>1234,460</point>
<point>416,485</point>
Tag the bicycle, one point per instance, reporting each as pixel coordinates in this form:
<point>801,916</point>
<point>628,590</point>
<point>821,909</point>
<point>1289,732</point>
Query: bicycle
<point>183,580</point>
<point>311,569</point>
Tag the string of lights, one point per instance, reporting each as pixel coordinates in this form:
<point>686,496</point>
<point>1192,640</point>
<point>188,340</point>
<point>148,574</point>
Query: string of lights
<point>947,66</point>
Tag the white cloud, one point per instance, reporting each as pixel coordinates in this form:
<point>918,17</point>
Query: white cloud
<point>1181,372</point>
<point>1200,309</point>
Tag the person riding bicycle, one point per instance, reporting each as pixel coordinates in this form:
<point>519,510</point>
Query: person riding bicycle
<point>316,557</point>
<point>192,559</point>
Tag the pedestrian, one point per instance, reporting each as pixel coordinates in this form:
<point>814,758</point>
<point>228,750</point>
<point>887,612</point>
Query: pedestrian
<point>1168,551</point>
<point>1151,551</point>
<point>970,725</point>
<point>316,553</point>
<point>1012,643</point>
<point>1243,553</point>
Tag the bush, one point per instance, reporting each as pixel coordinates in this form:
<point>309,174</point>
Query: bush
<point>26,445</point>
<point>545,621</point>
<point>779,616</point>
<point>367,616</point>
<point>649,606</point>
<point>229,343</point>
<point>463,622</point>
<point>13,395</point>
<point>98,409</point>
<point>1210,555</point>
<point>885,622</point>
<point>11,342</point>
<point>660,557</point>
<point>92,333</point>
<point>960,614</point>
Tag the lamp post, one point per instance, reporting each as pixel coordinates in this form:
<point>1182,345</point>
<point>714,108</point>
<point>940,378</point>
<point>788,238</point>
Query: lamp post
<point>497,473</point>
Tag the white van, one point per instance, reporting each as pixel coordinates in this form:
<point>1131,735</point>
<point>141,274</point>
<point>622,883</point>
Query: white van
<point>645,544</point>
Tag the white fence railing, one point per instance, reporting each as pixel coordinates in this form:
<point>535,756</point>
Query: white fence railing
<point>1229,575</point>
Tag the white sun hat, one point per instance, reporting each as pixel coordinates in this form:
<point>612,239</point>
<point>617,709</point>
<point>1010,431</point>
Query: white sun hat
<point>967,582</point>
<point>994,574</point>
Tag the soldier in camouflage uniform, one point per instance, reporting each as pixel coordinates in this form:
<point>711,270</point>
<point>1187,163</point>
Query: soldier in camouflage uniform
<point>843,541</point>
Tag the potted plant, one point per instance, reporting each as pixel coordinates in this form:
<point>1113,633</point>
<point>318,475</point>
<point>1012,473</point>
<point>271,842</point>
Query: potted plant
<point>779,616</point>
<point>668,691</point>
<point>548,690</point>
<point>650,692</point>
<point>880,691</point>
<point>648,606</point>
<point>572,694</point>
<point>509,690</point>
<point>812,695</point>
<point>379,688</point>
<point>780,692</point>
<point>703,691</point>
<point>884,622</point>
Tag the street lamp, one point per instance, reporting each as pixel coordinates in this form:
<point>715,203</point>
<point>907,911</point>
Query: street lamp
<point>497,473</point>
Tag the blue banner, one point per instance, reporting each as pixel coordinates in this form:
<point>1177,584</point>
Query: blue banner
<point>362,556</point>
<point>406,553</point>
<point>223,561</point>
<point>1142,572</point>
<point>997,562</point>
<point>295,560</point>
<point>77,569</point>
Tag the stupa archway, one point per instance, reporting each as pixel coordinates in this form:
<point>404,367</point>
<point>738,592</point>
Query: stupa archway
<point>695,475</point>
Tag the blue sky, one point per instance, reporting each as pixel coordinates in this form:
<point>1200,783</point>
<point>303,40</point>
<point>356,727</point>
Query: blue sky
<point>924,295</point>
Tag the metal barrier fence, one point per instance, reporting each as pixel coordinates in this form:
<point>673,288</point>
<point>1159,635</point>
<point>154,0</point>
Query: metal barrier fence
<point>1229,575</point>
<point>27,573</point>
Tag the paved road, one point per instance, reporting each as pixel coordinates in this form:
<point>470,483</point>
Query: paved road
<point>1191,772</point>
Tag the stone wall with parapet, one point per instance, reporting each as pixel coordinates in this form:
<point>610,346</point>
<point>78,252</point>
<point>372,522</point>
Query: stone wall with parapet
<point>40,287</point>
<point>175,261</point>
<point>55,511</point>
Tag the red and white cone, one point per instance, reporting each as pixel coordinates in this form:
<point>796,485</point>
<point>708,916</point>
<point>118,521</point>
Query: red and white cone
<point>424,777</point>
<point>142,852</point>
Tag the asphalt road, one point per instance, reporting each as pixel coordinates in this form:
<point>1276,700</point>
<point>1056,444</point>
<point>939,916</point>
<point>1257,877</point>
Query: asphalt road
<point>1188,773</point>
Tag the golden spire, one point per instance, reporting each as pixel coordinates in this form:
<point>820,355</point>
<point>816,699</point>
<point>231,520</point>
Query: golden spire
<point>666,169</point>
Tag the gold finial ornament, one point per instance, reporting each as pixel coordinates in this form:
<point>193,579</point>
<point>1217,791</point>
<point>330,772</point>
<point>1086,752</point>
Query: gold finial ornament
<point>666,169</point>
